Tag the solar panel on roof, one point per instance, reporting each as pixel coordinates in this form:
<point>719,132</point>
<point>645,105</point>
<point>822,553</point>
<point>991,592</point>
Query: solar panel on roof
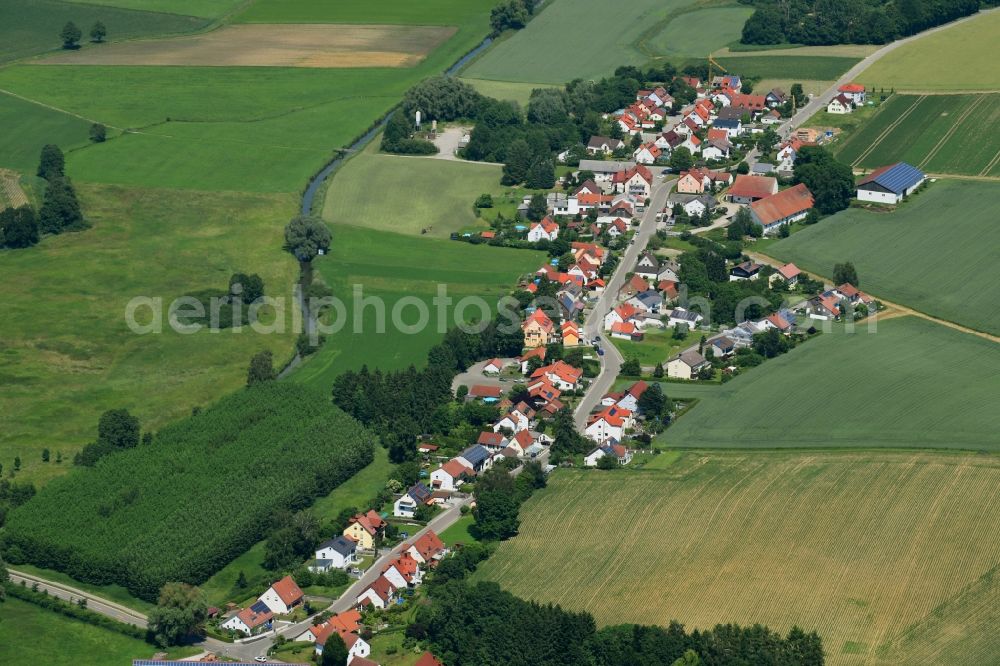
<point>260,607</point>
<point>899,177</point>
<point>155,662</point>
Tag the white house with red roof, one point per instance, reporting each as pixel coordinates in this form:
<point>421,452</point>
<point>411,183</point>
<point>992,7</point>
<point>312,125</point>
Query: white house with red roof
<point>427,548</point>
<point>494,441</point>
<point>547,229</point>
<point>521,442</point>
<point>282,596</point>
<point>621,314</point>
<point>562,375</point>
<point>840,105</point>
<point>647,153</point>
<point>525,359</point>
<point>636,181</point>
<point>378,595</point>
<point>629,400</point>
<point>494,366</point>
<point>610,423</point>
<point>403,571</point>
<point>515,420</point>
<point>789,273</point>
<point>626,331</point>
<point>250,621</point>
<point>824,307</point>
<point>853,91</point>
<point>619,452</point>
<point>451,475</point>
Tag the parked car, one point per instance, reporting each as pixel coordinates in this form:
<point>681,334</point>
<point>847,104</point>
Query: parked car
<point>600,352</point>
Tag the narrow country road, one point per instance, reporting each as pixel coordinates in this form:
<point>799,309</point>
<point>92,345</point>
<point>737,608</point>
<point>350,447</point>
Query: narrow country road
<point>72,594</point>
<point>594,324</point>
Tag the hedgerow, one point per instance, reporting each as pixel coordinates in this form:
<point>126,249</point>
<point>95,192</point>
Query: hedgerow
<point>205,490</point>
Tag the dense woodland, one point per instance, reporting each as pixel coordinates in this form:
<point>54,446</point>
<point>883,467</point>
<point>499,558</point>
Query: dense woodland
<point>181,505</point>
<point>469,625</point>
<point>819,22</point>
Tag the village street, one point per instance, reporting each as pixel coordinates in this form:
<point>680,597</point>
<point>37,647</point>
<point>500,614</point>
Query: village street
<point>594,324</point>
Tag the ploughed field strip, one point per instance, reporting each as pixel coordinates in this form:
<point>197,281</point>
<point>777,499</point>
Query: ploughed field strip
<point>11,193</point>
<point>865,548</point>
<point>276,45</point>
<point>946,134</point>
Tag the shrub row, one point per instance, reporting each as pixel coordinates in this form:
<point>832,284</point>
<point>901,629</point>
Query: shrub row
<point>72,610</point>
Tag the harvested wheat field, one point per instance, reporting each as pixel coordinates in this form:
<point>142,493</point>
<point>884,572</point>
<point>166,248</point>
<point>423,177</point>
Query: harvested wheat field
<point>889,556</point>
<point>11,194</point>
<point>275,45</point>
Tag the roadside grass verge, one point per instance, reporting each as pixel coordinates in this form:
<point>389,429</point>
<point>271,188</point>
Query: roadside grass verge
<point>929,254</point>
<point>31,634</point>
<point>818,68</point>
<point>912,384</point>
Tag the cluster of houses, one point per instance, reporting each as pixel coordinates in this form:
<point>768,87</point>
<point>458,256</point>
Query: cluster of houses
<point>279,599</point>
<point>719,108</point>
<point>579,282</point>
<point>403,572</point>
<point>608,425</point>
<point>642,300</point>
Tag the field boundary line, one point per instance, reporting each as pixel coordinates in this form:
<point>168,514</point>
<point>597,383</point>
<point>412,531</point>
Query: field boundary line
<point>951,130</point>
<point>56,108</point>
<point>893,125</point>
<point>771,261</point>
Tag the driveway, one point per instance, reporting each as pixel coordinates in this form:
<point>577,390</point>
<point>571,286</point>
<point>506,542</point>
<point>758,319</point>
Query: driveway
<point>475,375</point>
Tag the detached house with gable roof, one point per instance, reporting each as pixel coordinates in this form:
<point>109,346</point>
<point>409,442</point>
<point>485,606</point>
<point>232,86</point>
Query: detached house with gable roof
<point>363,528</point>
<point>282,596</point>
<point>252,620</point>
<point>547,229</point>
<point>406,506</point>
<point>686,365</point>
<point>339,552</point>
<point>379,594</point>
<point>538,330</point>
<point>451,475</point>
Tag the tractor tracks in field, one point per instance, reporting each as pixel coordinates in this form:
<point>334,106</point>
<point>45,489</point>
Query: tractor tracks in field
<point>951,131</point>
<point>888,130</point>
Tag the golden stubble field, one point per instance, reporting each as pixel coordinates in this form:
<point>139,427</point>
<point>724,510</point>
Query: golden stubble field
<point>888,555</point>
<point>274,45</point>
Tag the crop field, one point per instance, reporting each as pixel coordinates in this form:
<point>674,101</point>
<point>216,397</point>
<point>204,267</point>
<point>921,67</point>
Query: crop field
<point>30,634</point>
<point>355,492</point>
<point>30,27</point>
<point>941,62</point>
<point>816,68</point>
<point>861,548</point>
<point>153,513</point>
<point>393,267</point>
<point>280,45</point>
<point>948,134</point>
<point>911,384</point>
<point>431,12</point>
<point>66,353</point>
<point>538,53</point>
<point>200,8</point>
<point>892,251</point>
<point>416,195</point>
<point>699,32</point>
<point>12,195</point>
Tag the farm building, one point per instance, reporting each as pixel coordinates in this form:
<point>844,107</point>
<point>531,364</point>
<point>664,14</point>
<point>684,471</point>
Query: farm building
<point>783,208</point>
<point>748,189</point>
<point>890,184</point>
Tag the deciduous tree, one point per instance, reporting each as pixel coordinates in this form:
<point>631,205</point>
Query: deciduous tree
<point>70,36</point>
<point>261,368</point>
<point>180,612</point>
<point>98,32</point>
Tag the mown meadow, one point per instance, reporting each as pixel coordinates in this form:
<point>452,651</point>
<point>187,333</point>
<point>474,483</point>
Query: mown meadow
<point>929,254</point>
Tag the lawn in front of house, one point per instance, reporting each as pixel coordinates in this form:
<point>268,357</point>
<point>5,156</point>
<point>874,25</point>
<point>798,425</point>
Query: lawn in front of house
<point>656,346</point>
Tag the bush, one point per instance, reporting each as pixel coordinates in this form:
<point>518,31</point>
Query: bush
<point>201,494</point>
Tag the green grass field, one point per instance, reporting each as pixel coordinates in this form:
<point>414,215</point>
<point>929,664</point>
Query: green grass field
<point>937,133</point>
<point>816,68</point>
<point>945,61</point>
<point>31,27</point>
<point>517,92</point>
<point>656,346</point>
<point>700,32</point>
<point>861,547</point>
<point>391,267</point>
<point>200,8</point>
<point>66,353</point>
<point>911,384</point>
<point>414,195</point>
<point>37,126</point>
<point>547,51</point>
<point>459,532</point>
<point>930,254</point>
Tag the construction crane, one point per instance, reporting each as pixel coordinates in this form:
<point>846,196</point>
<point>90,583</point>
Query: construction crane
<point>711,61</point>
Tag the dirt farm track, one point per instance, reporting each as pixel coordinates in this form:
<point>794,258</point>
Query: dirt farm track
<point>272,45</point>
